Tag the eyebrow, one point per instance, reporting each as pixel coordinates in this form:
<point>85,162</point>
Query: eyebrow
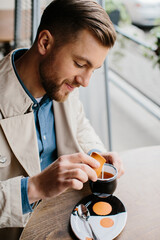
<point>86,60</point>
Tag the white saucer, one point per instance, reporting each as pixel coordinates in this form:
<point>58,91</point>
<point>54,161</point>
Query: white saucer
<point>117,216</point>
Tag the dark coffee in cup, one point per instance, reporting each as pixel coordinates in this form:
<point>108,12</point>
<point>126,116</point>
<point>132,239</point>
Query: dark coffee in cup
<point>106,182</point>
<point>106,175</point>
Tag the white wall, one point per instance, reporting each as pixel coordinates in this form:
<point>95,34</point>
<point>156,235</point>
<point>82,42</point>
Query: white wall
<point>6,4</point>
<point>94,101</point>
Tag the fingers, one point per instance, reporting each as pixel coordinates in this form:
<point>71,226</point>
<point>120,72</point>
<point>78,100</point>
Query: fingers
<point>83,158</point>
<point>76,173</point>
<point>81,172</point>
<point>79,161</point>
<point>74,178</point>
<point>73,183</point>
<point>76,163</point>
<point>113,158</point>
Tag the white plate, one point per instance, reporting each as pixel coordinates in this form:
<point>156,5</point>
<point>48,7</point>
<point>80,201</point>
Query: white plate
<point>117,216</point>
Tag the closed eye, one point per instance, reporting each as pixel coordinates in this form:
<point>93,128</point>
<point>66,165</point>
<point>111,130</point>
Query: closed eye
<point>79,65</point>
<point>83,66</point>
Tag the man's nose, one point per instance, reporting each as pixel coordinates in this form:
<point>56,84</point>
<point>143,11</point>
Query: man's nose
<point>84,78</point>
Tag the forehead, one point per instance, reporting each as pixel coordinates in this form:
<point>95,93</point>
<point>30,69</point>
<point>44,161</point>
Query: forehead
<point>87,48</point>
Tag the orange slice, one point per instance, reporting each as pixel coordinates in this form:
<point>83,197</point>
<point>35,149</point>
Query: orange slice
<point>101,160</point>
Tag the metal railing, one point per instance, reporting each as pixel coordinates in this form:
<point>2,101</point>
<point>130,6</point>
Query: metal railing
<point>134,39</point>
<point>148,46</point>
<point>129,89</point>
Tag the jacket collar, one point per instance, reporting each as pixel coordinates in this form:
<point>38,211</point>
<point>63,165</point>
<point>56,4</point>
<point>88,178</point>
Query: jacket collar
<point>12,103</point>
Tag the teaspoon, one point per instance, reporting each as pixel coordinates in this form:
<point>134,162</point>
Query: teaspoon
<point>84,213</point>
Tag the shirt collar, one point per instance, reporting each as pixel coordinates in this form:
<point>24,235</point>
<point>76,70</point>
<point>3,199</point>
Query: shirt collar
<point>17,54</point>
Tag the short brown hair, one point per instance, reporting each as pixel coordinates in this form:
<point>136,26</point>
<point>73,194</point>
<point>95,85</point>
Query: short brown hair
<point>65,18</point>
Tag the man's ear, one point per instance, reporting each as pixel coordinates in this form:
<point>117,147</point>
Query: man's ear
<point>45,41</point>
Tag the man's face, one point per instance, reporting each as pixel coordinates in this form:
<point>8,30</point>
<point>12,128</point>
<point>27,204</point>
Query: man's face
<point>71,66</point>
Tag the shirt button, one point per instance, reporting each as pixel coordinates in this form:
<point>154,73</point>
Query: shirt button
<point>41,160</point>
<point>44,137</point>
<point>35,105</point>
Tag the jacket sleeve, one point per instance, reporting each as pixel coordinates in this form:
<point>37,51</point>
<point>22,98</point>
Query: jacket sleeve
<point>10,204</point>
<point>86,135</point>
<point>17,150</point>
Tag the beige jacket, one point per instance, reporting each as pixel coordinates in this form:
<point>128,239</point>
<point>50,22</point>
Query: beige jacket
<point>18,142</point>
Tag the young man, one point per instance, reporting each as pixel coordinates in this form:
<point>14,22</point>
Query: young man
<point>45,139</point>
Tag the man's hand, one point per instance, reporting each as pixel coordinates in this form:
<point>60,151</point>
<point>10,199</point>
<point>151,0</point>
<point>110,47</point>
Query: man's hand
<point>68,171</point>
<point>113,158</point>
